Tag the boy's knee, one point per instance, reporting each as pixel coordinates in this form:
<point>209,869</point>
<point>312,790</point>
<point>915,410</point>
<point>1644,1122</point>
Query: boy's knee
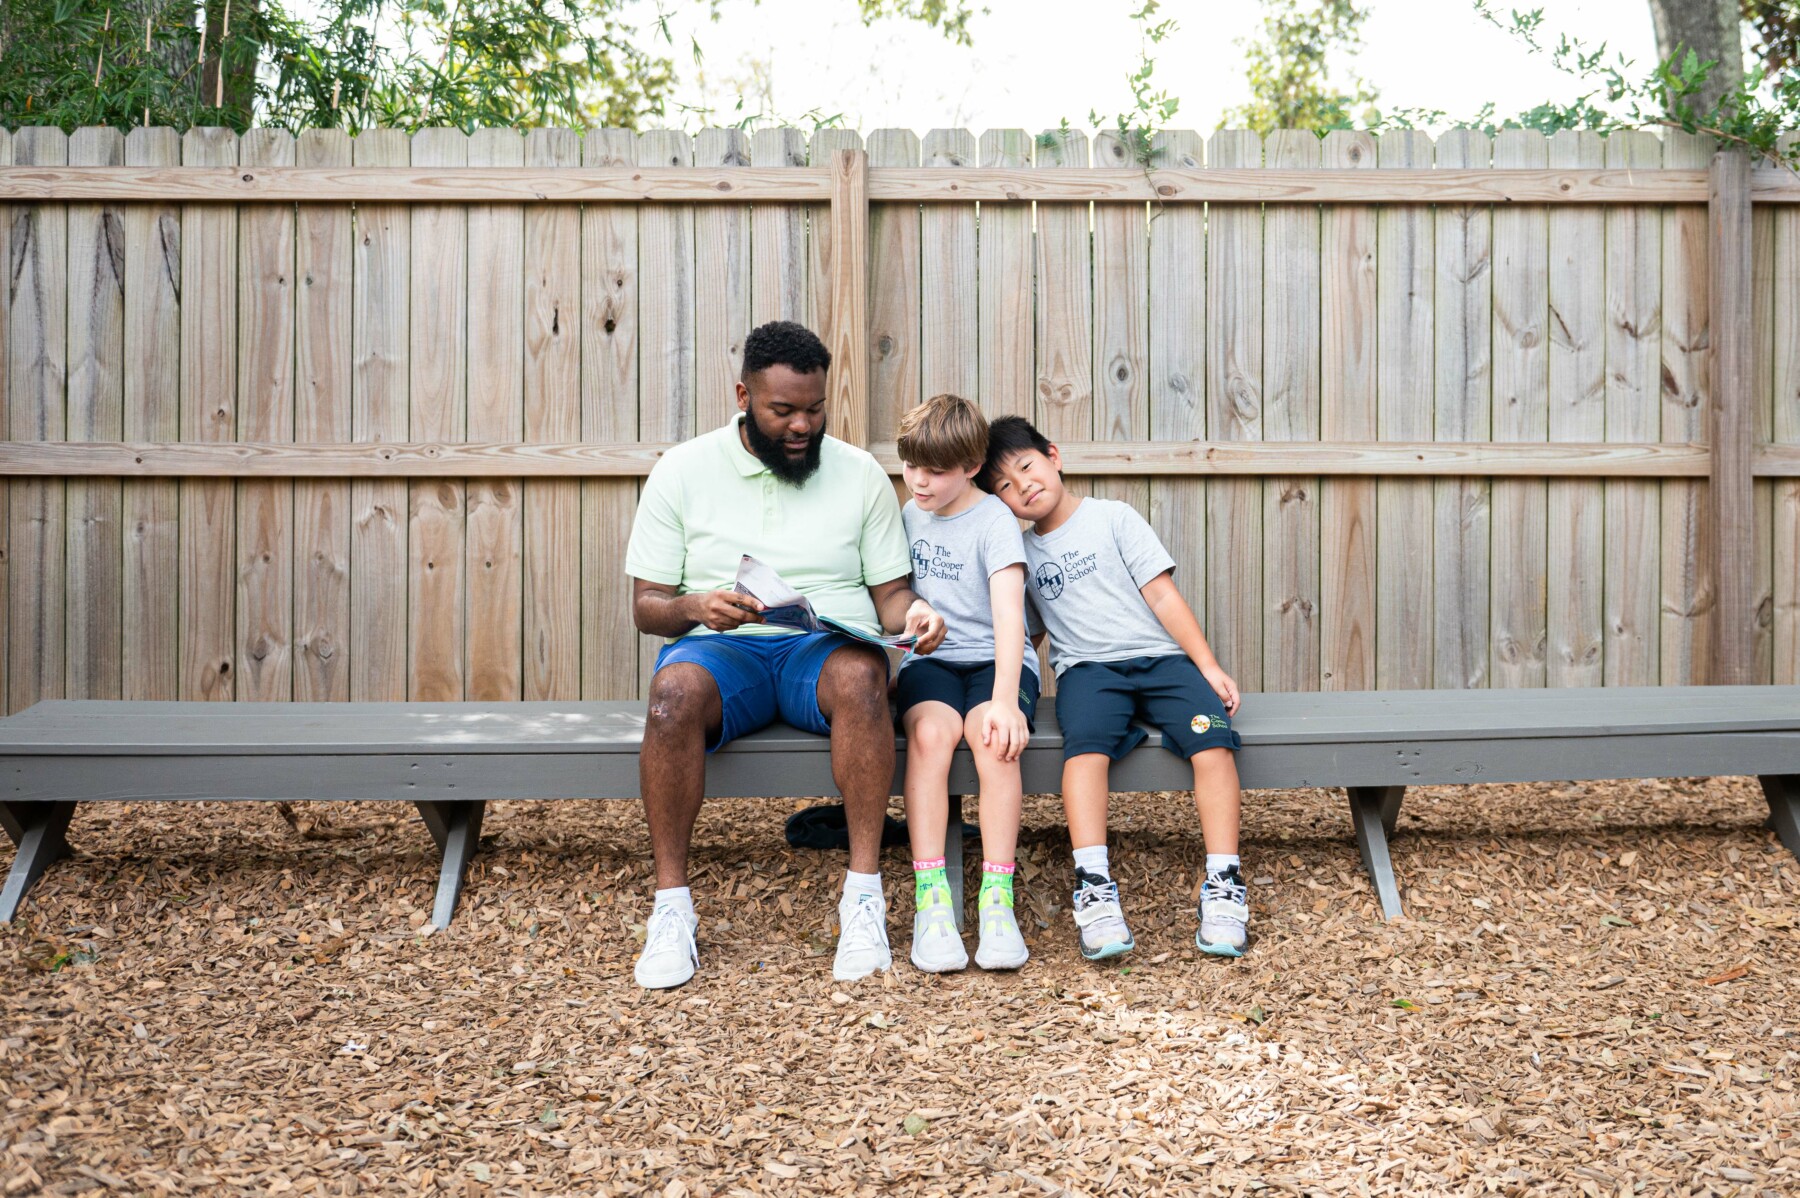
<point>936,733</point>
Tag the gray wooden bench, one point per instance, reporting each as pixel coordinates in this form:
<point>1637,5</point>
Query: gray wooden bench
<point>451,759</point>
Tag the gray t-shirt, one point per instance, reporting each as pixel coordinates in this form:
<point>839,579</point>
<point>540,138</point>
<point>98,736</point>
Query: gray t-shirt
<point>1084,586</point>
<point>953,557</point>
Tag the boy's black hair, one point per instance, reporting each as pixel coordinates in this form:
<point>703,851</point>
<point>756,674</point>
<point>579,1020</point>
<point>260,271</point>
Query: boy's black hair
<point>784,343</point>
<point>1006,436</point>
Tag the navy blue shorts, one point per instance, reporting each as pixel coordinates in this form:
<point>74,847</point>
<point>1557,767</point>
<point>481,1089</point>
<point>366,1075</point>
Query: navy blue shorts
<point>1098,702</point>
<point>761,678</point>
<point>962,685</point>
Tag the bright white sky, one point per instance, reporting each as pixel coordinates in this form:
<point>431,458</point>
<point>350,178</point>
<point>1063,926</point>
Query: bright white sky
<point>1035,62</point>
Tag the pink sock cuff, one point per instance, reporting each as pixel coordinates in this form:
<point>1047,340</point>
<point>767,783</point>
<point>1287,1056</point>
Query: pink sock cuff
<point>998,867</point>
<point>920,867</point>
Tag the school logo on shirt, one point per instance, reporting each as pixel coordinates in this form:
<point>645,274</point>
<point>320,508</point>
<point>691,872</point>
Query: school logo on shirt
<point>1049,578</point>
<point>921,557</point>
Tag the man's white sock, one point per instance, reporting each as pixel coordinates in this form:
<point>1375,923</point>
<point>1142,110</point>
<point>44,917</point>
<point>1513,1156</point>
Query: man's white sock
<point>679,897</point>
<point>1093,860</point>
<point>855,883</point>
<point>1220,862</point>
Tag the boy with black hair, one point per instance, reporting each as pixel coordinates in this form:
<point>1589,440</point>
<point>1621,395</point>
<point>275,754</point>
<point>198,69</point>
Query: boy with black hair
<point>1125,646</point>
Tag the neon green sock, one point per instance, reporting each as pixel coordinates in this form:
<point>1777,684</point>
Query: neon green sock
<point>926,875</point>
<point>996,884</point>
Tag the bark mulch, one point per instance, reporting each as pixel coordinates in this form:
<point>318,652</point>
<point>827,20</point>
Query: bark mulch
<point>1595,993</point>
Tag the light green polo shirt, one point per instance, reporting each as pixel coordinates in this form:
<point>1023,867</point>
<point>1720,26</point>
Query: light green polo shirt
<point>709,501</point>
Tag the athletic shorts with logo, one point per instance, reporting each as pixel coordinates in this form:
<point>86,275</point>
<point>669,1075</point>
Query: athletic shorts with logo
<point>1099,705</point>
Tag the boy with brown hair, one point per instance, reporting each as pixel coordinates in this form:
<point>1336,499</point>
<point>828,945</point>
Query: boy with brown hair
<point>980,686</point>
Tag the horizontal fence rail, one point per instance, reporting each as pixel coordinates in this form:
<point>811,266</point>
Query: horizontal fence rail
<point>886,184</point>
<point>281,459</point>
<point>326,418</point>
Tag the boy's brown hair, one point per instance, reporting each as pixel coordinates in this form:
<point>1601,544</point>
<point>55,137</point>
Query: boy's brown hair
<point>946,432</point>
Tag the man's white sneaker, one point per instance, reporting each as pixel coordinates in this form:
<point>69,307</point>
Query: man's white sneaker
<point>862,937</point>
<point>670,955</point>
<point>937,946</point>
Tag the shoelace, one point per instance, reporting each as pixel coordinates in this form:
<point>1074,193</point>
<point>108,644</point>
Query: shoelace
<point>1219,886</point>
<point>864,927</point>
<point>1089,894</point>
<point>669,930</point>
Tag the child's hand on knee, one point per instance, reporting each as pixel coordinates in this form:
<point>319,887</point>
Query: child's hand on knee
<point>1004,730</point>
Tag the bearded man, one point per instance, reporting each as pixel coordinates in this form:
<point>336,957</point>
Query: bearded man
<point>822,513</point>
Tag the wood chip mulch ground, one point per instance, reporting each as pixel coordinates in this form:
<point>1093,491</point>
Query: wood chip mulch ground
<point>1597,992</point>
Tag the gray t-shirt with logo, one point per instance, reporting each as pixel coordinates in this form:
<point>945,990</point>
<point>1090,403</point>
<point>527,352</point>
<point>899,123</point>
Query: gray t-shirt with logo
<point>952,558</point>
<point>1084,582</point>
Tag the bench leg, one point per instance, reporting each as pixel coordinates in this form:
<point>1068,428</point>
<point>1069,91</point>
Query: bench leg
<point>953,856</point>
<point>456,826</point>
<point>37,828</point>
<point>1373,811</point>
<point>1783,793</point>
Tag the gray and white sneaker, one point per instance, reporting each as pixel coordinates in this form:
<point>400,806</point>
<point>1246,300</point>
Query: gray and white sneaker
<point>1001,945</point>
<point>862,937</point>
<point>670,955</point>
<point>1099,918</point>
<point>1224,914</point>
<point>937,947</point>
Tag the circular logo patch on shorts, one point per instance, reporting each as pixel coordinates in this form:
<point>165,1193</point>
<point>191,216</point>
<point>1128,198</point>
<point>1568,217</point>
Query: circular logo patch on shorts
<point>1202,723</point>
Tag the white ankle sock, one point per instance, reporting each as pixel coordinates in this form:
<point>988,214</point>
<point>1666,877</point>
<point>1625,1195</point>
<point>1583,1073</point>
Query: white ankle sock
<point>855,883</point>
<point>1093,860</point>
<point>1218,862</point>
<point>679,897</point>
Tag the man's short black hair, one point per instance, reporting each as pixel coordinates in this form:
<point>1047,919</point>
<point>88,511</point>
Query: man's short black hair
<point>784,343</point>
<point>1006,436</point>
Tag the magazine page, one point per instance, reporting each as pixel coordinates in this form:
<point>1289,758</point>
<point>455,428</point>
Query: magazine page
<point>785,607</point>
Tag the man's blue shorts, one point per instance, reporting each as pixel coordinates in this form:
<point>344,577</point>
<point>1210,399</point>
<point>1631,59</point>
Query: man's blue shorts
<point>1097,703</point>
<point>761,678</point>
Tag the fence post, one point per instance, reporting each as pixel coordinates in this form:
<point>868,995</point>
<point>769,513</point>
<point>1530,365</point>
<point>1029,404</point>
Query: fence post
<point>847,319</point>
<point>1731,521</point>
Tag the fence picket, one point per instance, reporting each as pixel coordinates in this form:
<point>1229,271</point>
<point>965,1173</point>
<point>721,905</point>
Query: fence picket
<point>609,412</point>
<point>1121,359</point>
<point>1784,383</point>
<point>209,269</point>
<point>1463,321</point>
<point>1234,412</point>
<point>552,507</point>
<point>1291,413</point>
<point>1688,597</point>
<point>1521,413</point>
<point>152,390</point>
<point>95,595</point>
<point>1577,402</point>
<point>948,294</point>
<point>265,401</point>
<point>1178,367</point>
<point>6,227</point>
<point>1347,390</point>
<point>778,235</point>
<point>893,293</point>
<point>322,339</point>
<point>494,529</point>
<point>381,380</point>
<point>721,284</point>
<point>1633,565</point>
<point>437,634</point>
<point>1405,371</point>
<point>1003,299</point>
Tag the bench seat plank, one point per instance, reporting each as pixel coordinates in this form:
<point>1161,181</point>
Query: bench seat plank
<point>451,758</point>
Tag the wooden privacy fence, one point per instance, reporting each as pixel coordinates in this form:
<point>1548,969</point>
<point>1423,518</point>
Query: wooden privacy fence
<point>330,418</point>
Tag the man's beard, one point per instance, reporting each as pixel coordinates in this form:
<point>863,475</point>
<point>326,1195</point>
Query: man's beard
<point>774,455</point>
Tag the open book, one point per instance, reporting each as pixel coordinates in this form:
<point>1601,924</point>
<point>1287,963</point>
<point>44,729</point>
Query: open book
<point>785,607</point>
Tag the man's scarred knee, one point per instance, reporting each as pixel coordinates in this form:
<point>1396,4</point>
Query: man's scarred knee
<point>677,698</point>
